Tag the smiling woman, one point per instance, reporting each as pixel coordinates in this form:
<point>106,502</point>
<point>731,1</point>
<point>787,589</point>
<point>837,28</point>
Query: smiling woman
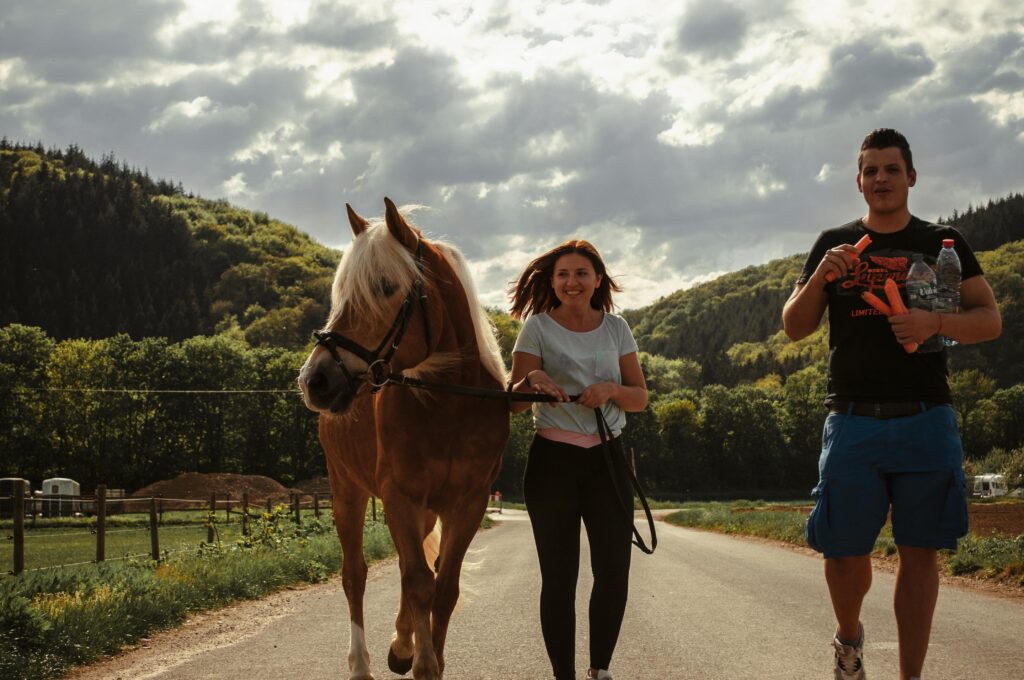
<point>571,344</point>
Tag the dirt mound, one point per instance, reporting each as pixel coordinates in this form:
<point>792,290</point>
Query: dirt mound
<point>320,485</point>
<point>199,486</point>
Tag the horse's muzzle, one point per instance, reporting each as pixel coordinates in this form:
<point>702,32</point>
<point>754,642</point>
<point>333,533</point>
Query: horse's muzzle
<point>325,388</point>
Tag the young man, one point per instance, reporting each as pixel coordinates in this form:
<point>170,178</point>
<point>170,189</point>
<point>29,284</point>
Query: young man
<point>890,439</point>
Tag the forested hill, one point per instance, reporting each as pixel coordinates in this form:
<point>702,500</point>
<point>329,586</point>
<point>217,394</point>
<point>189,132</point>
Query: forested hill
<point>705,321</point>
<point>991,226</point>
<point>702,322</point>
<point>93,249</point>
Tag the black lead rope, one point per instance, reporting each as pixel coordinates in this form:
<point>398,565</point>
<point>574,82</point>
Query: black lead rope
<point>604,431</point>
<point>606,445</point>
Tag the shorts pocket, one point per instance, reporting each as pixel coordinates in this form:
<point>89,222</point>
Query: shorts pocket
<point>954,512</point>
<point>818,521</point>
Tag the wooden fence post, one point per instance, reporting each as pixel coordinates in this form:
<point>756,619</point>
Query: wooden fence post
<point>101,522</point>
<point>19,526</point>
<point>160,507</point>
<point>245,513</point>
<point>227,509</point>
<point>373,508</point>
<point>154,536</point>
<point>297,502</point>
<point>316,505</point>
<point>270,505</point>
<point>212,517</point>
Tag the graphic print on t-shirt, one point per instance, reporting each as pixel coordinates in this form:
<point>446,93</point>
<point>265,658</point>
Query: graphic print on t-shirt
<point>870,274</point>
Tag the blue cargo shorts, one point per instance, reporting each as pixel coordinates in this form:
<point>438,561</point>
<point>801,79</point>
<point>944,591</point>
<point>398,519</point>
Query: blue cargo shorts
<point>912,464</point>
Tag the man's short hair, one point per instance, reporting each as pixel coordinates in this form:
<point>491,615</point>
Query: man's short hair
<point>883,138</point>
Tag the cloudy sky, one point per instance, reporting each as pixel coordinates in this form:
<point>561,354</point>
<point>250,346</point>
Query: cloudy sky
<point>685,139</point>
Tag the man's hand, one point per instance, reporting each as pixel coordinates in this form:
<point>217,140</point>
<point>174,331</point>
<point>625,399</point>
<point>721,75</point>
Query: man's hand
<point>836,264</point>
<point>916,326</point>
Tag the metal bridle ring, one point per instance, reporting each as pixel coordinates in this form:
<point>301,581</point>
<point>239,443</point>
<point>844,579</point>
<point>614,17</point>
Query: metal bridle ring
<point>372,372</point>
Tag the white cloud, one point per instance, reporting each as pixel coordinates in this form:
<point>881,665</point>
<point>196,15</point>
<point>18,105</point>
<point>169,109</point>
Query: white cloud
<point>688,139</point>
<point>684,133</point>
<point>200,106</point>
<point>236,188</point>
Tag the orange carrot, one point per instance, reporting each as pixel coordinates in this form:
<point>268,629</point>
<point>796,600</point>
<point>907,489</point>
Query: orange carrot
<point>876,302</point>
<point>859,246</point>
<point>892,292</point>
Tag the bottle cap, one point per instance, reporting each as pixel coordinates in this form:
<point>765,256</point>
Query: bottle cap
<point>947,243</point>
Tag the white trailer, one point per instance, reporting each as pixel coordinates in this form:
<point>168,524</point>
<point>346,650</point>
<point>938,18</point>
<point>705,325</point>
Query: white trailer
<point>990,485</point>
<point>62,497</point>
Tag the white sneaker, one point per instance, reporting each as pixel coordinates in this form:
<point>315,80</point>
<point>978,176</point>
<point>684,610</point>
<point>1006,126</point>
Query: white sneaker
<point>600,674</point>
<point>849,664</point>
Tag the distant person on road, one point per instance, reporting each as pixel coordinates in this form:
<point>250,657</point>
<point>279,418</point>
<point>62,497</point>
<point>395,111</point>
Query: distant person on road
<point>890,440</point>
<point>570,343</point>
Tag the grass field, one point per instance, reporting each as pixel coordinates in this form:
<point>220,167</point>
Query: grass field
<point>72,541</point>
<point>991,556</point>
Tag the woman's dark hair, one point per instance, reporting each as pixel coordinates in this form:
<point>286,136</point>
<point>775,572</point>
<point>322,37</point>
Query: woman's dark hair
<point>533,293</point>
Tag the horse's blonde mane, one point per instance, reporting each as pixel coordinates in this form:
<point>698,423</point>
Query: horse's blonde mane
<point>486,340</point>
<point>373,257</point>
<point>376,256</point>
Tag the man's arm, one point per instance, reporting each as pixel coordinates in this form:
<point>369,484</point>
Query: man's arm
<point>805,307</point>
<point>978,321</point>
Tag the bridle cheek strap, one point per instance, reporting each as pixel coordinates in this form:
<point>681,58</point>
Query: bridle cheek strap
<point>379,368</point>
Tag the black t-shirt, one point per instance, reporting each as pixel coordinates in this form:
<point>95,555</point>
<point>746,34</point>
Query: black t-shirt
<point>866,362</point>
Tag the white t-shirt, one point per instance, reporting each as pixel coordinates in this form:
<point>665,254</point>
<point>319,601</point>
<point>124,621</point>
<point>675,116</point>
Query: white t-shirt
<point>575,361</point>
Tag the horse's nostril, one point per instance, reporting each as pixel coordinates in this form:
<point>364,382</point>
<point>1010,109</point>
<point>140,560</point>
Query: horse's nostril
<point>318,382</point>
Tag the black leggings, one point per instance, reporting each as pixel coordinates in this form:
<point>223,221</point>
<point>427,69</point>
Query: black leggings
<point>563,484</point>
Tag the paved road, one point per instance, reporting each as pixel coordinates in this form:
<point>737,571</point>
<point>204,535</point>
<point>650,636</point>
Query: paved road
<point>706,607</point>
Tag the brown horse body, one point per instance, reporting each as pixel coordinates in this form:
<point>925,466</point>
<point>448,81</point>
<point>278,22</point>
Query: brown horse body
<point>426,456</point>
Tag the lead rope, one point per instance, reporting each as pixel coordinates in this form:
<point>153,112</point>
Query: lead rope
<point>606,445</point>
<point>602,428</point>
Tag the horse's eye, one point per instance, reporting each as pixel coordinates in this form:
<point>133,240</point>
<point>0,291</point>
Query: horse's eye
<point>386,288</point>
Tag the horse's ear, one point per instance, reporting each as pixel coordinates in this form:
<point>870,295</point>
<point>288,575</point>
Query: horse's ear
<point>359,225</point>
<point>398,226</point>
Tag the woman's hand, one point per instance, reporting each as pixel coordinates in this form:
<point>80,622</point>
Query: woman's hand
<point>597,394</point>
<point>541,383</point>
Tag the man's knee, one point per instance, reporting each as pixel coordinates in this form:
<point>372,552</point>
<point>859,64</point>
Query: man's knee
<point>850,573</point>
<point>917,558</point>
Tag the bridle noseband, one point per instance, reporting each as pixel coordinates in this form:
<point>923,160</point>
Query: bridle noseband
<point>379,367</point>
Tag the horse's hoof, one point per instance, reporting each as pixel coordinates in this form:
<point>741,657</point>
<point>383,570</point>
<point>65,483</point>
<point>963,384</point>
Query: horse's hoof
<point>399,666</point>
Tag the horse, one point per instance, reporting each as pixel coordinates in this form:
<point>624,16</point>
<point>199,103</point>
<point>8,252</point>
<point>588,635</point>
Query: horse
<point>426,456</point>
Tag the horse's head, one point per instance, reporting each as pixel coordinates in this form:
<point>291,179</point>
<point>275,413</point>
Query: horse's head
<point>382,313</point>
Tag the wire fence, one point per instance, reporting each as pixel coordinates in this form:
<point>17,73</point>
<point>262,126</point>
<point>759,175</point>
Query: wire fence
<point>59,528</point>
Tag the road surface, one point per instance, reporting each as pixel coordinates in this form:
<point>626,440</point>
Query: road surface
<point>705,606</point>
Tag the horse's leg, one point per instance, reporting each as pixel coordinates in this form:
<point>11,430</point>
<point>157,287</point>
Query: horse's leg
<point>406,520</point>
<point>402,646</point>
<point>349,515</point>
<point>459,529</point>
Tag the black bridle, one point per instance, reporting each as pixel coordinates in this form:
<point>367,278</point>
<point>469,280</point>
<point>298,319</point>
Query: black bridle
<point>378,367</point>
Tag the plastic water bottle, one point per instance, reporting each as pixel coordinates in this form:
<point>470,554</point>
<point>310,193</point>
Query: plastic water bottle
<point>947,275</point>
<point>921,290</point>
